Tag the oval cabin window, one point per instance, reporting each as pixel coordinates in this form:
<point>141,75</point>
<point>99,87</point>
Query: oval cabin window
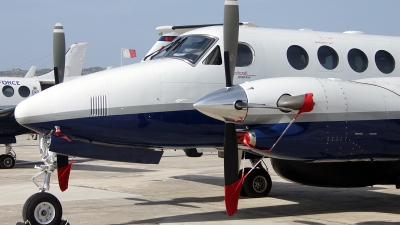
<point>384,61</point>
<point>297,57</point>
<point>357,59</point>
<point>245,56</point>
<point>8,91</point>
<point>328,57</point>
<point>24,91</point>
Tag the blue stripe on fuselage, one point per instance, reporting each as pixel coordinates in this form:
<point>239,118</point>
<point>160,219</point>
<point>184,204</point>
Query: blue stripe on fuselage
<point>337,140</point>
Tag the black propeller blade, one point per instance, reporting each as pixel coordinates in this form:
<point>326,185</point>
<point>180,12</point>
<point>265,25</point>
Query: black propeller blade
<point>231,159</point>
<point>58,53</point>
<point>59,68</point>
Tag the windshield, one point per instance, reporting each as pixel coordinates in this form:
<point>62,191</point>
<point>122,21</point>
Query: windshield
<point>189,48</point>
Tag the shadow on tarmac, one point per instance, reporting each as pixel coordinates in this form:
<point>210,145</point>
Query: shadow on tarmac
<point>304,201</point>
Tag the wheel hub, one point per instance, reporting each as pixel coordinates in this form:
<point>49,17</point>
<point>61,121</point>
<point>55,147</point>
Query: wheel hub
<point>7,162</point>
<point>259,184</point>
<point>44,213</point>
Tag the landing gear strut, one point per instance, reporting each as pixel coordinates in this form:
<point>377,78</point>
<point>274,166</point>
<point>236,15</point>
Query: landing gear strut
<point>7,161</point>
<point>43,207</point>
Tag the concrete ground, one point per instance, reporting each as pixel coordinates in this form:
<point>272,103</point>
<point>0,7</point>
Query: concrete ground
<point>182,190</point>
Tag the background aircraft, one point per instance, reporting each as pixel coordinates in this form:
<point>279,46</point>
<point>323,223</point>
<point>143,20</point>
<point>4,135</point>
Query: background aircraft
<point>347,137</point>
<point>16,89</point>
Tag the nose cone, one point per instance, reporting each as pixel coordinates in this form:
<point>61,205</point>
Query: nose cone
<point>221,104</point>
<point>35,109</point>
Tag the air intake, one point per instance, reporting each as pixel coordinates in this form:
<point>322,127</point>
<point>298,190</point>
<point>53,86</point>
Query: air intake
<point>98,105</point>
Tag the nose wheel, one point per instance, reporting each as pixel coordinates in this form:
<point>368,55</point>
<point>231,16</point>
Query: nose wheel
<point>42,208</point>
<point>257,184</point>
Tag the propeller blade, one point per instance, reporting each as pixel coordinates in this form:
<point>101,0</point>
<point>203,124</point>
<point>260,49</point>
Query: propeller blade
<point>231,159</point>
<point>58,53</point>
<point>231,36</point>
<point>233,184</point>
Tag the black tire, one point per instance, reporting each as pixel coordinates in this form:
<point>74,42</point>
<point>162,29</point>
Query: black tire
<point>0,159</point>
<point>7,162</point>
<point>42,208</point>
<point>192,152</point>
<point>258,183</point>
<point>242,191</point>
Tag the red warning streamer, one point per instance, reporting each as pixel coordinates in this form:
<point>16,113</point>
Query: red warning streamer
<point>63,176</point>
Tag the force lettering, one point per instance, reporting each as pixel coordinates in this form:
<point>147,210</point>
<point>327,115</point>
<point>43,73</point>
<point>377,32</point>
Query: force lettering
<point>10,82</point>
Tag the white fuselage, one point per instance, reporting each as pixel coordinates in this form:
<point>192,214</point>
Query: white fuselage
<point>158,90</point>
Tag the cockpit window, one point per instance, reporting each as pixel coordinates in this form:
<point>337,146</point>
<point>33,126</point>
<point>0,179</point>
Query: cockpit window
<point>189,48</point>
<point>214,58</point>
<point>245,56</point>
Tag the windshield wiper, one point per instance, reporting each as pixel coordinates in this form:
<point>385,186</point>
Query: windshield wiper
<point>164,48</point>
<point>179,42</point>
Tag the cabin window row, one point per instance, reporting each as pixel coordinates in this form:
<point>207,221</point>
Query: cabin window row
<point>329,59</point>
<point>23,91</point>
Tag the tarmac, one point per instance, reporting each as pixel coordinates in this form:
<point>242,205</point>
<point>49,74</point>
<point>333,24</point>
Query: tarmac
<point>183,190</point>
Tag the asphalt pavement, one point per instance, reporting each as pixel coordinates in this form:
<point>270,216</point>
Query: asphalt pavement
<point>183,190</point>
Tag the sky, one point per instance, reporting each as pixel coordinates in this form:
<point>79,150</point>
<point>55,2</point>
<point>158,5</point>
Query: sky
<point>26,27</point>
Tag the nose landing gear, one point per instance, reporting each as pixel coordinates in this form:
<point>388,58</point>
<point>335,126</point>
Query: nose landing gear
<point>43,207</point>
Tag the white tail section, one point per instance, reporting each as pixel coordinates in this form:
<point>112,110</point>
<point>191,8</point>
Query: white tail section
<point>31,72</point>
<point>74,59</point>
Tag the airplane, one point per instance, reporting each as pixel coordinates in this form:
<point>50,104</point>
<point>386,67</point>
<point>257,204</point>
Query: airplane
<point>324,107</point>
<point>16,89</point>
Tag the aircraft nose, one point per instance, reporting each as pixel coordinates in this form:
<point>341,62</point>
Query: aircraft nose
<point>35,109</point>
<point>221,104</point>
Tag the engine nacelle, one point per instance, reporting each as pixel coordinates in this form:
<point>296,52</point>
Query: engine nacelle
<point>350,120</point>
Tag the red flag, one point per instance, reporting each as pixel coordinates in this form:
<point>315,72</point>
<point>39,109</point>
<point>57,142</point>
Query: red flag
<point>63,176</point>
<point>128,53</point>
